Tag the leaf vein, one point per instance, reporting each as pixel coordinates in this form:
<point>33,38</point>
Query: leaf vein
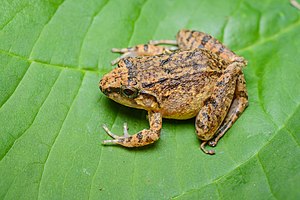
<point>270,38</point>
<point>33,120</point>
<point>292,134</point>
<point>215,181</point>
<point>13,17</point>
<point>88,29</point>
<point>55,139</point>
<point>223,28</point>
<point>50,18</point>
<point>136,20</point>
<point>158,24</point>
<point>52,64</point>
<point>267,178</point>
<point>100,158</point>
<point>93,178</point>
<point>7,99</point>
<point>290,116</point>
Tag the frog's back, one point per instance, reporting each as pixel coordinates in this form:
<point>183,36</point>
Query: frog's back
<point>180,80</point>
<point>197,59</point>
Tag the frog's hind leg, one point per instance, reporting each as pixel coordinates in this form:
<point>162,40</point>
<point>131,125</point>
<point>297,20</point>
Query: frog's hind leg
<point>141,138</point>
<point>239,104</point>
<point>189,39</point>
<point>215,108</point>
<point>141,50</point>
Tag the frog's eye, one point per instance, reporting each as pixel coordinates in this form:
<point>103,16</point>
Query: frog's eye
<point>130,92</point>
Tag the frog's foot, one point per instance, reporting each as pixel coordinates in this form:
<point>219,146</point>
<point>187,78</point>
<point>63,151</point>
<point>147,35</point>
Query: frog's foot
<point>212,143</point>
<point>116,139</point>
<point>141,50</point>
<point>167,49</point>
<point>142,138</point>
<point>156,42</point>
<point>202,147</point>
<point>122,50</point>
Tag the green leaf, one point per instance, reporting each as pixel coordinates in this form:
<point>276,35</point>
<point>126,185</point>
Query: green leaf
<point>52,56</point>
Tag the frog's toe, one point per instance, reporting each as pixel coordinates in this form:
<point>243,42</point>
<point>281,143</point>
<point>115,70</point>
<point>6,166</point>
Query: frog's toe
<point>202,147</point>
<point>125,130</point>
<point>156,42</point>
<point>116,139</point>
<point>122,50</point>
<point>114,136</point>
<point>105,142</point>
<point>212,143</point>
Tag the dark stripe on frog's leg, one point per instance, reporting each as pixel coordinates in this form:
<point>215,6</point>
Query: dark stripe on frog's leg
<point>205,39</point>
<point>145,47</point>
<point>215,108</point>
<point>239,104</point>
<point>221,50</point>
<point>141,138</point>
<point>190,35</point>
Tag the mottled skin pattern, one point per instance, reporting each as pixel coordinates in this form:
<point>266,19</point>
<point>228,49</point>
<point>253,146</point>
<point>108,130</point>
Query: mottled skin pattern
<point>202,79</point>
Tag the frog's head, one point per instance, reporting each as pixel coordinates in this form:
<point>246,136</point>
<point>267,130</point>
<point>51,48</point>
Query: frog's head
<point>122,86</point>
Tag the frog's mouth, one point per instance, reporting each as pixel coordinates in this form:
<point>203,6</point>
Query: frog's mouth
<point>117,97</point>
<point>142,101</point>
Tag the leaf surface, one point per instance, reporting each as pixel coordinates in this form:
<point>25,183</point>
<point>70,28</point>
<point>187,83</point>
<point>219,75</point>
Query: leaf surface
<point>52,56</point>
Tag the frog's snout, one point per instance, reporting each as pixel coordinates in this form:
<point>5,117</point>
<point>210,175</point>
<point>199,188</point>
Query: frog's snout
<point>102,87</point>
<point>109,85</point>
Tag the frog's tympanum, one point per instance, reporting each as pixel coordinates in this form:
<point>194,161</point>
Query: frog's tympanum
<point>199,78</point>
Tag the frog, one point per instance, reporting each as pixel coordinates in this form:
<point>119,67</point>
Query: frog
<point>194,76</point>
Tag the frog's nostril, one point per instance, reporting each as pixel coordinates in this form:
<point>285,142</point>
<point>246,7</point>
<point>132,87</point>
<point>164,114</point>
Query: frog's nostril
<point>102,89</point>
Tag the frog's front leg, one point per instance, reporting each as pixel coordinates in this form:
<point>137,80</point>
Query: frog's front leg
<point>142,138</point>
<point>215,108</point>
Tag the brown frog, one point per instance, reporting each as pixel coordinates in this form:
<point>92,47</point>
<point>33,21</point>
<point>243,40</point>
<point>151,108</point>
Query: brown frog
<point>201,79</point>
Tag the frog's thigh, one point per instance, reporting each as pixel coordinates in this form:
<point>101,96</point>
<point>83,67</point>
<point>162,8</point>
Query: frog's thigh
<point>215,107</point>
<point>188,39</point>
<point>240,102</point>
<point>142,138</point>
